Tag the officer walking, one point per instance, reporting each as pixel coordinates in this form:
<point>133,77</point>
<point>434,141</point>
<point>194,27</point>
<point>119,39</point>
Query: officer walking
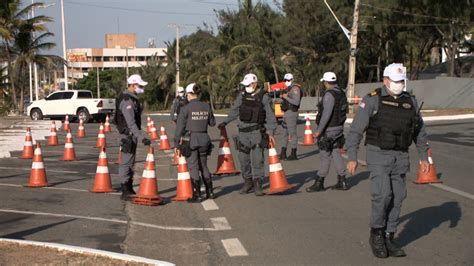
<point>391,119</point>
<point>330,132</point>
<point>178,103</point>
<point>290,105</point>
<point>128,121</point>
<point>256,128</point>
<point>191,131</point>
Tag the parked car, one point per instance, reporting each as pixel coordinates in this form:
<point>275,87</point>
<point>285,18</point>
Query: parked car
<point>75,103</point>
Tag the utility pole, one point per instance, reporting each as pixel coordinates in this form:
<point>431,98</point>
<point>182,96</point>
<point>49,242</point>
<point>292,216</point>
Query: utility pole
<point>66,87</point>
<point>352,56</point>
<point>177,53</point>
<point>98,83</point>
<point>126,62</point>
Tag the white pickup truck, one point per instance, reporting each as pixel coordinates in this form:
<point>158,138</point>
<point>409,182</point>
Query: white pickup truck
<point>75,103</point>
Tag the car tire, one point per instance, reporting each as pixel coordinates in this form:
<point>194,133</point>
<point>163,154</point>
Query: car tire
<point>84,114</point>
<point>36,114</point>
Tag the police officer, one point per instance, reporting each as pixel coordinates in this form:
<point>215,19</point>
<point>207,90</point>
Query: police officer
<point>191,131</point>
<point>128,121</point>
<point>330,132</point>
<point>177,104</point>
<point>290,105</point>
<point>391,119</point>
<point>256,129</point>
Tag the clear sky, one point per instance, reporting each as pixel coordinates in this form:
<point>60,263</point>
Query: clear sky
<point>87,21</point>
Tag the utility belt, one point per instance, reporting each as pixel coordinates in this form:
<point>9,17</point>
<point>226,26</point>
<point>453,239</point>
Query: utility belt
<point>251,128</point>
<point>128,144</point>
<point>264,142</point>
<point>286,106</point>
<point>185,145</point>
<point>328,143</point>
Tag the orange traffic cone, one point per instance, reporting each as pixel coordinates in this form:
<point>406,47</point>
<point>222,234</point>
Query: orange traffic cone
<point>101,137</point>
<point>148,192</point>
<point>81,132</point>
<point>164,143</point>
<point>53,136</point>
<point>153,133</point>
<point>148,125</point>
<point>308,134</point>
<point>102,183</point>
<point>430,177</point>
<point>225,161</point>
<point>66,126</point>
<point>69,152</point>
<point>28,146</point>
<point>175,159</point>
<point>107,127</point>
<point>184,188</point>
<point>278,182</point>
<point>38,173</point>
<point>119,158</point>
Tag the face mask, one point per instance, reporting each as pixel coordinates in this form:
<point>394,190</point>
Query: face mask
<point>139,90</point>
<point>287,83</point>
<point>181,94</point>
<point>249,89</point>
<point>396,88</point>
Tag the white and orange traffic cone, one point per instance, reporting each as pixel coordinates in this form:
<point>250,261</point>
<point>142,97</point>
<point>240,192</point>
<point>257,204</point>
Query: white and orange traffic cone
<point>430,177</point>
<point>148,125</point>
<point>38,173</point>
<point>28,146</point>
<point>81,131</point>
<point>66,126</point>
<point>278,182</point>
<point>153,133</point>
<point>148,192</point>
<point>119,158</point>
<point>102,182</point>
<point>69,152</point>
<point>225,161</point>
<point>184,188</point>
<point>164,143</point>
<point>53,136</point>
<point>101,137</point>
<point>308,134</point>
<point>107,127</point>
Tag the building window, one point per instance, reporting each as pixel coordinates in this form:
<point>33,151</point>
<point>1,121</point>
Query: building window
<point>141,58</point>
<point>97,59</point>
<point>107,59</point>
<point>119,58</point>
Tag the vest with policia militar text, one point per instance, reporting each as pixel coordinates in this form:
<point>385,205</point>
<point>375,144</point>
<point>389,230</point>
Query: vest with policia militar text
<point>252,110</point>
<point>198,116</point>
<point>120,119</point>
<point>393,126</point>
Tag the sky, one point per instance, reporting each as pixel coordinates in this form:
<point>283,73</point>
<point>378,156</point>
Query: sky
<point>87,21</point>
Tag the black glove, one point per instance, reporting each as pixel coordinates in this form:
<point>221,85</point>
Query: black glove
<point>146,142</point>
<point>222,125</point>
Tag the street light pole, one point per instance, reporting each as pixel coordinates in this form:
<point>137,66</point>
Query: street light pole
<point>352,56</point>
<point>66,87</point>
<point>177,54</point>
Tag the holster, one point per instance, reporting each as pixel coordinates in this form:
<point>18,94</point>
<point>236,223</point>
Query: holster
<point>128,145</point>
<point>265,142</point>
<point>240,147</point>
<point>185,145</point>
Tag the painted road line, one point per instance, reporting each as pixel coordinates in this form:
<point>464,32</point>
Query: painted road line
<point>209,205</point>
<point>57,188</point>
<point>216,227</point>
<point>29,169</point>
<point>234,248</point>
<point>453,190</point>
<point>221,223</point>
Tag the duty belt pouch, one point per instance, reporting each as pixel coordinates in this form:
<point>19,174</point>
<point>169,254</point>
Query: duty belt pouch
<point>265,142</point>
<point>185,145</point>
<point>326,144</point>
<point>339,144</point>
<point>284,105</point>
<point>240,147</point>
<point>128,145</point>
<point>210,148</point>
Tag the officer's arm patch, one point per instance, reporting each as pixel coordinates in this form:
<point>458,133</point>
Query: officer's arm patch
<point>129,107</point>
<point>362,105</point>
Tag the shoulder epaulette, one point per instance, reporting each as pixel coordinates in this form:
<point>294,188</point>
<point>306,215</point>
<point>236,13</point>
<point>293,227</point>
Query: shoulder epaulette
<point>374,93</point>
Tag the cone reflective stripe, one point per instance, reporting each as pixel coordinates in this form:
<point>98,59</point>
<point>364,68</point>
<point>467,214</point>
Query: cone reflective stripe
<point>184,188</point>
<point>107,127</point>
<point>148,192</point>
<point>69,153</point>
<point>53,136</point>
<point>164,143</point>
<point>66,126</point>
<point>431,176</point>
<point>148,125</point>
<point>278,182</point>
<point>225,161</point>
<point>81,132</point>
<point>153,133</point>
<point>101,137</point>
<point>38,173</point>
<point>28,146</point>
<point>308,134</point>
<point>102,182</point>
<point>119,158</point>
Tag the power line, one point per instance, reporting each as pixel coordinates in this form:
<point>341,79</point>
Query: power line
<point>405,13</point>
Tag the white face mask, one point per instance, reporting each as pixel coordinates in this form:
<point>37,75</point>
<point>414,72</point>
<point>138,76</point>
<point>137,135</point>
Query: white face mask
<point>287,83</point>
<point>249,89</point>
<point>139,90</point>
<point>181,94</point>
<point>396,87</point>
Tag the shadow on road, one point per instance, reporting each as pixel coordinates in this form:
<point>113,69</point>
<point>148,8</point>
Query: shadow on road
<point>22,234</point>
<point>421,222</point>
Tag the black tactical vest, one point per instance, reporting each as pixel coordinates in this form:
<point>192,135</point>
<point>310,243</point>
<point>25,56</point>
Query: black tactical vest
<point>120,119</point>
<point>182,101</point>
<point>198,116</point>
<point>252,109</point>
<point>286,105</point>
<point>339,112</point>
<point>393,126</point>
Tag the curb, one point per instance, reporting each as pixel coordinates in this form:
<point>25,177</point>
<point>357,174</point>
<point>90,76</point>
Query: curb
<point>88,251</point>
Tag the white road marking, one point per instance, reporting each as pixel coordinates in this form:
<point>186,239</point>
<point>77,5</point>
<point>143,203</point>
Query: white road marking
<point>234,248</point>
<point>221,223</point>
<point>52,171</point>
<point>57,188</point>
<point>209,205</point>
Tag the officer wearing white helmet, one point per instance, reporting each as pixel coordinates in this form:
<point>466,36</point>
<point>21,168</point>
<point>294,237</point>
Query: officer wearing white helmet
<point>391,119</point>
<point>178,103</point>
<point>290,104</point>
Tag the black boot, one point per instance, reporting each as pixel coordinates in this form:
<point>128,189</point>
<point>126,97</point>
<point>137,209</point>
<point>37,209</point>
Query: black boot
<point>247,187</point>
<point>209,189</point>
<point>257,184</point>
<point>317,186</point>
<point>130,186</point>
<point>341,183</point>
<point>126,191</point>
<point>283,153</point>
<point>292,156</point>
<point>392,247</point>
<point>196,192</point>
<point>377,242</point>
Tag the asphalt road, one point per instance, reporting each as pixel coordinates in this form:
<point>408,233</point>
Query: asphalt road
<point>327,228</point>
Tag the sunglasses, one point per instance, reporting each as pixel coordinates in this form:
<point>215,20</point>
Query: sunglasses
<point>287,80</point>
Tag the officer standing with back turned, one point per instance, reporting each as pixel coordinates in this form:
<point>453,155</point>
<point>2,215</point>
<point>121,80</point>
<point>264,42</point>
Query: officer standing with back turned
<point>256,128</point>
<point>392,121</point>
<point>291,100</point>
<point>330,132</point>
<point>128,121</point>
<point>178,103</point>
<point>193,141</point>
